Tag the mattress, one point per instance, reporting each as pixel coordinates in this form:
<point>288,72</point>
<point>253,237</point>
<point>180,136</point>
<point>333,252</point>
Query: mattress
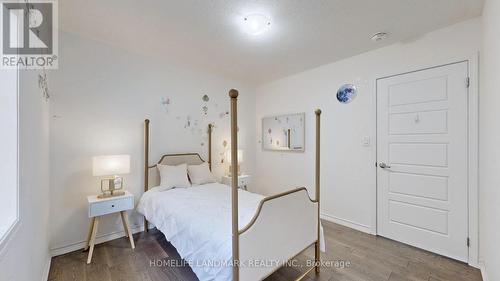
<point>197,222</point>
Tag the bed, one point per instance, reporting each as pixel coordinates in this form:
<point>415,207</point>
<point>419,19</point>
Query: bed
<point>225,233</point>
<point>197,222</point>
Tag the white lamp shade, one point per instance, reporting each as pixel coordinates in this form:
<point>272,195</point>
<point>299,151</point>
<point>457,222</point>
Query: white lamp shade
<point>110,165</point>
<point>240,156</point>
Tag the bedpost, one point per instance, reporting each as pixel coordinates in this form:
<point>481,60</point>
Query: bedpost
<point>146,163</point>
<point>234,182</point>
<point>210,126</point>
<point>317,183</point>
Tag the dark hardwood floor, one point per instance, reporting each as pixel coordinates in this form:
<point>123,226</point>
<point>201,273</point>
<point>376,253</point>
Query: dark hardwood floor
<point>351,256</point>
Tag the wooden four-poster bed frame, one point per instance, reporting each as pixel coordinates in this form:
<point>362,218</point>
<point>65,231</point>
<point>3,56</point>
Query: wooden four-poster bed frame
<point>284,224</point>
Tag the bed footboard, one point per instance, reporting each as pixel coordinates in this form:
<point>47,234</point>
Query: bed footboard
<point>283,226</point>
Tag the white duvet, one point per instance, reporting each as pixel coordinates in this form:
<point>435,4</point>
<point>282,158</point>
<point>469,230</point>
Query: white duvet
<point>197,222</point>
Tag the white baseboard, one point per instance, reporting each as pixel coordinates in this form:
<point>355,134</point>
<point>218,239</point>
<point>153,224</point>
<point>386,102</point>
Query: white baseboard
<point>347,223</point>
<point>474,264</point>
<point>57,251</point>
<point>46,270</point>
<point>482,267</point>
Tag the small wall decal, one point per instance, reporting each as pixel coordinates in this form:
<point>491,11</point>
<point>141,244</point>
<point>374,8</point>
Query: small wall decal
<point>223,151</point>
<point>165,102</point>
<point>346,93</point>
<point>188,122</point>
<point>205,99</point>
<point>44,85</point>
<point>224,114</point>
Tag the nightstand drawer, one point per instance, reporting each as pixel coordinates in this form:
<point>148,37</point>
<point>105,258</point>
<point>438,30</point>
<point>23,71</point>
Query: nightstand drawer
<point>111,206</point>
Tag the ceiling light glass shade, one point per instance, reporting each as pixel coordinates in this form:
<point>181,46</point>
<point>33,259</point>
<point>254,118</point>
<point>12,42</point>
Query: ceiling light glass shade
<point>256,24</point>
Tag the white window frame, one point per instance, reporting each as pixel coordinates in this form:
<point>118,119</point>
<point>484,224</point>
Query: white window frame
<point>6,237</point>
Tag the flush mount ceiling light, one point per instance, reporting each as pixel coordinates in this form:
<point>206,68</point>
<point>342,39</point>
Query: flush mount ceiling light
<point>256,24</point>
<point>379,36</point>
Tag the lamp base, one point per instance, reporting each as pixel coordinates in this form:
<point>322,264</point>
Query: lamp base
<point>115,186</point>
<point>110,194</point>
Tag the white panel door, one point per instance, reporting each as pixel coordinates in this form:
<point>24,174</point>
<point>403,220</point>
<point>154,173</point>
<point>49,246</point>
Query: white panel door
<point>422,159</point>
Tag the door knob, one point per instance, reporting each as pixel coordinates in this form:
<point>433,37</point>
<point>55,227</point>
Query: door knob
<point>384,166</point>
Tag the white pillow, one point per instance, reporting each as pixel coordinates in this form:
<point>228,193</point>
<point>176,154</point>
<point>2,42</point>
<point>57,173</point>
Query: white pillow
<point>173,176</point>
<point>200,174</point>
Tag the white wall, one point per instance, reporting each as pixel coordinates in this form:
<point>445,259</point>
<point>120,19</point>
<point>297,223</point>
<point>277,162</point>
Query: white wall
<point>489,139</point>
<point>26,254</point>
<point>348,172</point>
<point>100,98</point>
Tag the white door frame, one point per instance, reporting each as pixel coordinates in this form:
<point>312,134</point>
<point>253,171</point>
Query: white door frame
<point>472,144</point>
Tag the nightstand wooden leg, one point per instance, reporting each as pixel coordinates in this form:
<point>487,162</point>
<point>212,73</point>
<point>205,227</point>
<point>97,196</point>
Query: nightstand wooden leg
<point>124,223</point>
<point>92,239</point>
<point>90,234</point>
<point>126,226</point>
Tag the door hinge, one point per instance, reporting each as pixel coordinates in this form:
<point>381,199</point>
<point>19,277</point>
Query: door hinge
<point>468,242</point>
<point>467,82</point>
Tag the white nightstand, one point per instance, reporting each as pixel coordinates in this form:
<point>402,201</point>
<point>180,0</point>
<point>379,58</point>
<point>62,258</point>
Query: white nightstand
<point>243,181</point>
<point>100,207</point>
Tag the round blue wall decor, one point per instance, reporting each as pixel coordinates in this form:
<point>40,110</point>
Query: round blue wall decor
<point>347,93</point>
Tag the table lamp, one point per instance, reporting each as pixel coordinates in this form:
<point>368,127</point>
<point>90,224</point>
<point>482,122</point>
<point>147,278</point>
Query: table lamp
<point>111,166</point>
<point>240,160</point>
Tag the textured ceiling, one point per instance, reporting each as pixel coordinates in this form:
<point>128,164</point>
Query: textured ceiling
<point>205,35</point>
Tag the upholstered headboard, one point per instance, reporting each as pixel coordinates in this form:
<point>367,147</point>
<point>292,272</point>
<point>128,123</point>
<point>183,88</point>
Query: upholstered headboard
<point>171,159</point>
